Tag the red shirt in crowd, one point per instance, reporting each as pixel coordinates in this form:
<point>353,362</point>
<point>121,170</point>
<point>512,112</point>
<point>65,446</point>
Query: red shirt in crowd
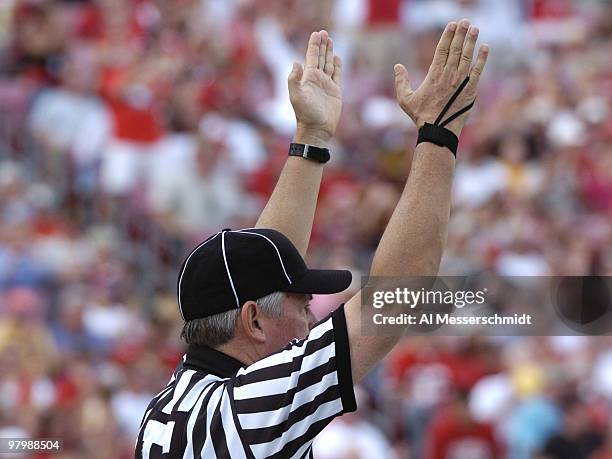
<point>132,122</point>
<point>382,12</point>
<point>452,435</point>
<point>551,9</point>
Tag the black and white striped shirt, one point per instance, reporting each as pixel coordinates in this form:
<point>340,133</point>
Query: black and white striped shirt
<point>215,407</point>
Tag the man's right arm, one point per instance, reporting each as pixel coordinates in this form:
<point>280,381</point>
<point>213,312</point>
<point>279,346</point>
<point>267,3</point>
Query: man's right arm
<point>415,236</point>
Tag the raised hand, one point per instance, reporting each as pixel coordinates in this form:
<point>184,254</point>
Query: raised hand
<point>452,62</point>
<point>315,91</point>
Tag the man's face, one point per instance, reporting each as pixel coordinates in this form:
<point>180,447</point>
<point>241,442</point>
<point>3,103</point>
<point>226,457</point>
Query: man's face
<point>295,321</point>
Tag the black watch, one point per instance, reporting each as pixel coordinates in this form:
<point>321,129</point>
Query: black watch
<point>320,155</point>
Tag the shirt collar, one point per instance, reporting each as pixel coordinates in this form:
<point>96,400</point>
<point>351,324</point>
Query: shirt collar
<point>212,361</point>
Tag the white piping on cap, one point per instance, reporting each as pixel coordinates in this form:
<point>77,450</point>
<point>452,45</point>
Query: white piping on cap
<point>275,248</point>
<point>227,268</point>
<point>185,267</point>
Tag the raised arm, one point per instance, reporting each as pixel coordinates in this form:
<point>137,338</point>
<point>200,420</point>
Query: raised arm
<point>316,97</point>
<point>414,239</point>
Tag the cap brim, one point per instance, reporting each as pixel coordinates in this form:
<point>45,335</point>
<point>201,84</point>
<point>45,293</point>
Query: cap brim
<point>321,281</point>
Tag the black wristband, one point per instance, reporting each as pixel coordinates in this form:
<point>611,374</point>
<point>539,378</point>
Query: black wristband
<point>436,133</point>
<point>320,155</point>
<point>440,136</point>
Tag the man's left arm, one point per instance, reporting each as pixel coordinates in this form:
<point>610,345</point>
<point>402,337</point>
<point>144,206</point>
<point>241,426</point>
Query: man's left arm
<point>316,98</point>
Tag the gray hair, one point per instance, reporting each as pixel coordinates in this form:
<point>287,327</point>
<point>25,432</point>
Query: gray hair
<point>218,329</point>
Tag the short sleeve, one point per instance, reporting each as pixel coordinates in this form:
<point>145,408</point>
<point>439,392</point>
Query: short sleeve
<point>283,401</point>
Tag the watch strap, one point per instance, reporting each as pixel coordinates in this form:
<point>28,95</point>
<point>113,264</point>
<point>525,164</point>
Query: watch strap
<point>311,152</point>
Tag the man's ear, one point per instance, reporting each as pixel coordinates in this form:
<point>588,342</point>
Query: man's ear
<point>250,318</point>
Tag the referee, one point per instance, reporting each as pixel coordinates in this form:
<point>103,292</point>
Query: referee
<point>260,379</point>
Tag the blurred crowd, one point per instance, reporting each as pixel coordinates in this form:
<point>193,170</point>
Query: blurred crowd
<point>131,129</point>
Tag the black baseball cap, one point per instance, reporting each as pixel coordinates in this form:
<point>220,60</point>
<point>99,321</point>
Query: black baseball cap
<point>232,267</point>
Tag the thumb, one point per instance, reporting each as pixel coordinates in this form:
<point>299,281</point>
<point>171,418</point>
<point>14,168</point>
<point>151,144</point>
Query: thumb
<point>296,74</point>
<point>402,83</point>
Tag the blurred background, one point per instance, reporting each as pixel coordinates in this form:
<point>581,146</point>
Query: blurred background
<point>131,129</point>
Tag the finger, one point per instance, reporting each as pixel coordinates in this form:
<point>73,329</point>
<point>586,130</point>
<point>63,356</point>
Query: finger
<point>442,50</point>
<point>312,53</point>
<point>322,49</point>
<point>402,82</point>
<point>457,45</point>
<point>478,69</point>
<point>296,75</point>
<point>337,75</point>
<point>468,51</point>
<point>329,58</point>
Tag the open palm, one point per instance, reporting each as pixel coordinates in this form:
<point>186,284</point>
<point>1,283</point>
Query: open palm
<point>314,90</point>
<point>452,63</point>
